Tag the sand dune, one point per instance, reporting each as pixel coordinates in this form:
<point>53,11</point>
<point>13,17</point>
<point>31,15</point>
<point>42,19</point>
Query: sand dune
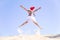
<point>36,36</point>
<point>28,37</point>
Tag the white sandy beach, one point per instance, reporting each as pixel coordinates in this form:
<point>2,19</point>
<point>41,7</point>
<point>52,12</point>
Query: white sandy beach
<point>28,37</point>
<point>36,36</point>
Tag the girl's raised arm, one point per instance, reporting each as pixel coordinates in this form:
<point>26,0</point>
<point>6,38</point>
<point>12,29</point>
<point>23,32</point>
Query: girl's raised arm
<point>37,9</point>
<point>23,7</point>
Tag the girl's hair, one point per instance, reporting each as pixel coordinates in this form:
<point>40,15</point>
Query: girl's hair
<point>32,8</point>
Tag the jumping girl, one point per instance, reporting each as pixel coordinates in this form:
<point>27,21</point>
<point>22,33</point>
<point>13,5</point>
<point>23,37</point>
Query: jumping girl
<point>31,16</point>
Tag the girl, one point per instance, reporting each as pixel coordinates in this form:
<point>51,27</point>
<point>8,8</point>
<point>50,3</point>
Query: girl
<point>31,15</point>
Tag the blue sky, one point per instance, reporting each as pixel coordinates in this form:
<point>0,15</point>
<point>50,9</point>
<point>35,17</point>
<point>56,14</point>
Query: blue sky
<point>11,16</point>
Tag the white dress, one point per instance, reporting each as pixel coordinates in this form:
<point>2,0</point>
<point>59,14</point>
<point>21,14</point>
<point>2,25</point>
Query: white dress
<point>31,18</point>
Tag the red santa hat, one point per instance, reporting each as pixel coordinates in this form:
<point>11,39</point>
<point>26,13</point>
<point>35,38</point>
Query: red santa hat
<point>32,8</point>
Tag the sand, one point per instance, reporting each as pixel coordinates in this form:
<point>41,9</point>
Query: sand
<point>28,37</point>
<point>36,36</point>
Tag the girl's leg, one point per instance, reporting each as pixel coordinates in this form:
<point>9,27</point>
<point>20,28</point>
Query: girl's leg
<point>24,23</point>
<point>35,22</point>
